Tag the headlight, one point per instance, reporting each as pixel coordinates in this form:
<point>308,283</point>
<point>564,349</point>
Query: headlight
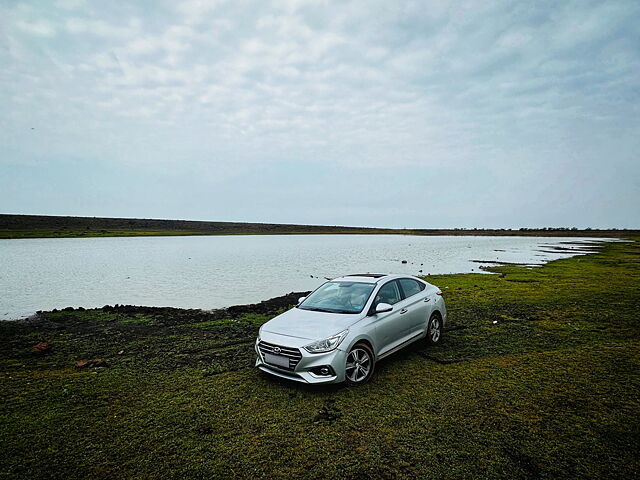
<point>326,345</point>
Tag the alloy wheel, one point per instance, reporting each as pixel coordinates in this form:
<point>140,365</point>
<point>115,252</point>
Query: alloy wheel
<point>434,329</point>
<point>358,365</point>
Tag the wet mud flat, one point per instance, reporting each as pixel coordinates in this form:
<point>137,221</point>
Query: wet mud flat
<point>569,247</point>
<point>160,338</point>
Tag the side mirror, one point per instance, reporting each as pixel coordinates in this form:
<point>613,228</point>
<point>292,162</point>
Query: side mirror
<point>301,299</point>
<point>383,307</point>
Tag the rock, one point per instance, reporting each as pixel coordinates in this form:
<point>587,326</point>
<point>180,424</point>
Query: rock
<point>328,413</point>
<point>91,364</point>
<point>404,261</point>
<point>41,348</point>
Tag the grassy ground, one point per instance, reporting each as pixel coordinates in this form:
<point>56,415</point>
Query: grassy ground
<point>52,233</point>
<point>165,233</point>
<point>551,390</point>
<point>49,226</point>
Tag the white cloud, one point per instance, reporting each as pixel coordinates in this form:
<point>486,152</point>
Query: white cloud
<point>42,28</point>
<point>70,4</point>
<point>101,28</point>
<point>196,11</point>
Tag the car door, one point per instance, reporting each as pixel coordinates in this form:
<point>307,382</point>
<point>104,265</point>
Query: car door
<point>418,304</point>
<point>391,327</point>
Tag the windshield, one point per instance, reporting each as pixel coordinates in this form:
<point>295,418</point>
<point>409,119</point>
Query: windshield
<point>339,297</point>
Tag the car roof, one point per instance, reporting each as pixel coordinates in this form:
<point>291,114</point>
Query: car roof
<point>369,277</point>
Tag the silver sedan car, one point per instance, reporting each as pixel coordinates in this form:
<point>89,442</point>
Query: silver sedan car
<point>339,332</point>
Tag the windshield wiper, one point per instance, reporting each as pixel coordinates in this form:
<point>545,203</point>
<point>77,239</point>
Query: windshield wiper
<point>317,309</point>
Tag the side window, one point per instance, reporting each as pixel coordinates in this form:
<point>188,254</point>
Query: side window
<point>410,287</point>
<point>389,293</point>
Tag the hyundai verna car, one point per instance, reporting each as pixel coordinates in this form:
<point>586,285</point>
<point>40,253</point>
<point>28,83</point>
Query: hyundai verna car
<point>339,332</point>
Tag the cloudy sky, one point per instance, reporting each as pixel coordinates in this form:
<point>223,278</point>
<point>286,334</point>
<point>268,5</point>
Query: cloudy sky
<point>398,114</point>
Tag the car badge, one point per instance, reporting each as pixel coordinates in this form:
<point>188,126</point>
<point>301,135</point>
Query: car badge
<point>277,349</point>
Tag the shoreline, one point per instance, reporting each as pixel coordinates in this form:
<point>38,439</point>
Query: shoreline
<point>615,234</point>
<point>46,226</point>
<point>259,308</point>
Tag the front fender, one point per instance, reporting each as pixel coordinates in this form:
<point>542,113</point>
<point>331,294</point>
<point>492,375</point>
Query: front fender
<point>359,338</point>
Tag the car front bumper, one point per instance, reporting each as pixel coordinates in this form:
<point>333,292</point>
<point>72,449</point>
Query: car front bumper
<point>302,372</point>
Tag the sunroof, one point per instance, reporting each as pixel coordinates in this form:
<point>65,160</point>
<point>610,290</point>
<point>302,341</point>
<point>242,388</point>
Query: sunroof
<point>373,275</point>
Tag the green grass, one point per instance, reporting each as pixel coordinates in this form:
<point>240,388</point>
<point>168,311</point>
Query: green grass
<point>12,234</point>
<point>549,391</point>
<point>92,233</point>
<point>47,226</point>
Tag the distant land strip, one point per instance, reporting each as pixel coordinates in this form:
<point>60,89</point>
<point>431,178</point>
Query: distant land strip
<point>47,226</point>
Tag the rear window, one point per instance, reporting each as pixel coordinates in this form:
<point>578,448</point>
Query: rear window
<point>410,287</point>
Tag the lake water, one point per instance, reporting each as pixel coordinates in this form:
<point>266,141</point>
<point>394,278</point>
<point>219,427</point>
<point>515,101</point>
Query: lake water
<point>212,272</point>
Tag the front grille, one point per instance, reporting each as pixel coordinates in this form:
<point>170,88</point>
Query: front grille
<point>293,354</point>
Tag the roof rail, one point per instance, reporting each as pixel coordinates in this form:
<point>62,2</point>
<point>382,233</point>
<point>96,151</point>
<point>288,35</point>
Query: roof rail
<point>372,275</point>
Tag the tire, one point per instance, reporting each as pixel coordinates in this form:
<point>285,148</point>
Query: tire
<point>359,365</point>
<point>434,329</point>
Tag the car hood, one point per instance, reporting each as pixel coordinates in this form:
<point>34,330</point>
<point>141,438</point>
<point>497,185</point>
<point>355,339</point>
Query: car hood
<point>309,325</point>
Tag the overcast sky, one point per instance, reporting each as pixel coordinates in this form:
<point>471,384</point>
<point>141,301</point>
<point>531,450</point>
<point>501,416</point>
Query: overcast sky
<point>388,113</point>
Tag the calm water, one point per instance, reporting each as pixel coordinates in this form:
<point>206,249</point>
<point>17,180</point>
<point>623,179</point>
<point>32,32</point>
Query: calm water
<point>211,272</point>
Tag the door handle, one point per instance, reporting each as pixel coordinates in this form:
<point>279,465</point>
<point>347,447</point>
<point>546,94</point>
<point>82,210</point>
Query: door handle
<point>404,310</point>
<point>427,299</point>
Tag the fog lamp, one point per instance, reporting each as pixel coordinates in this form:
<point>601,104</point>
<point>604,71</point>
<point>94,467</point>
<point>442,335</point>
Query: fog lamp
<point>322,371</point>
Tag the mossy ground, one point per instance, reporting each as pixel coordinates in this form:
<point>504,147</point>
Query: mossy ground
<point>551,390</point>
